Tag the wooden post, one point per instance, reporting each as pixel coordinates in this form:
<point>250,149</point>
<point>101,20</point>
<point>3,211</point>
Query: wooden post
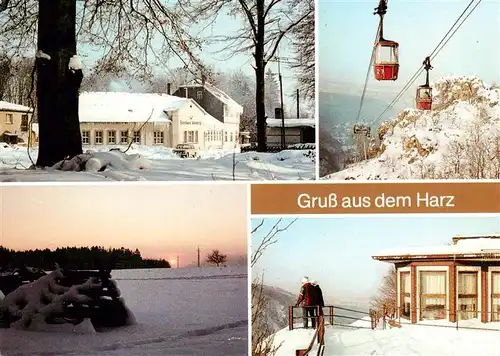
<point>453,317</point>
<point>290,317</point>
<point>331,314</point>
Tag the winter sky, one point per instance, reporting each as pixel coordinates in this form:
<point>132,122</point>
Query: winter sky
<point>337,251</point>
<point>160,220</point>
<point>347,29</point>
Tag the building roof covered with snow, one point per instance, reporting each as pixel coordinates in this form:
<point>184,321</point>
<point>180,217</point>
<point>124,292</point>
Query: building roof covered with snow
<point>300,122</point>
<point>6,106</point>
<point>218,93</point>
<point>469,247</point>
<point>129,107</point>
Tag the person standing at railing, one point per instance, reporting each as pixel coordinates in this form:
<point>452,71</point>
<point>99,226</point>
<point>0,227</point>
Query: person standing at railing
<point>318,296</point>
<point>306,296</point>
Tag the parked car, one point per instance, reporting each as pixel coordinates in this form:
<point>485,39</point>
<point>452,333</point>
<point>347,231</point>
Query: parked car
<point>186,150</point>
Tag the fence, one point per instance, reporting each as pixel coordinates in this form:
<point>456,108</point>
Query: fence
<point>383,319</point>
<point>276,149</point>
<point>331,315</point>
<point>444,314</point>
<point>318,337</point>
<point>390,319</point>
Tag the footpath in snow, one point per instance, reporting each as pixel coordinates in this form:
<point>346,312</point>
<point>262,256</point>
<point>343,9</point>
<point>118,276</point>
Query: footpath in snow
<point>161,164</point>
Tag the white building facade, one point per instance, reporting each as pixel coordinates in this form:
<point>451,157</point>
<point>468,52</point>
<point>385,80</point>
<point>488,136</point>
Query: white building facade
<point>117,119</point>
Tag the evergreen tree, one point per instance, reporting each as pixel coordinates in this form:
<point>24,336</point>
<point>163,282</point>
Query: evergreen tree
<point>272,99</point>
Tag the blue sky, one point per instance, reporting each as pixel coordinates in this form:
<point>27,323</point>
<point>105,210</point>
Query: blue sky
<point>337,251</point>
<point>227,25</point>
<point>347,30</point>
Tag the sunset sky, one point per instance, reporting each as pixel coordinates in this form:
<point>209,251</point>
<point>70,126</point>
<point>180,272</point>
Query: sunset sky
<point>160,220</point>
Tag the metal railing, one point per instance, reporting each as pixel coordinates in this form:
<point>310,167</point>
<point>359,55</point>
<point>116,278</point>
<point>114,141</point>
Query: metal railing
<point>331,314</point>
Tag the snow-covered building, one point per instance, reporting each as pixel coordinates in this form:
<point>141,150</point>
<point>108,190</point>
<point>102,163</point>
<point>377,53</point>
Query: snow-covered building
<point>14,123</point>
<point>301,130</point>
<point>453,282</point>
<point>117,118</point>
<point>218,104</point>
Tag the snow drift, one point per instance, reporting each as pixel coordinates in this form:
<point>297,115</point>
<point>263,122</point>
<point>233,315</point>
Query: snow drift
<point>423,339</point>
<point>458,139</point>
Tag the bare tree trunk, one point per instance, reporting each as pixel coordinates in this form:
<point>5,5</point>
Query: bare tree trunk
<point>58,86</point>
<point>5,69</point>
<point>260,73</point>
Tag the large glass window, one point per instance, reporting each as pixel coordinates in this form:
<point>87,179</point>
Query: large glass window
<point>405,301</point>
<point>467,289</point>
<point>432,295</point>
<point>495,296</point>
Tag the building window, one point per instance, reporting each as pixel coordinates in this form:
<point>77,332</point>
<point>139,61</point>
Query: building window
<point>111,137</point>
<point>467,295</point>
<point>231,140</point>
<point>124,137</point>
<point>225,136</point>
<point>495,296</point>
<point>98,138</point>
<point>199,94</point>
<point>24,123</point>
<point>432,295</point>
<point>9,119</point>
<point>190,136</point>
<point>86,137</point>
<point>158,137</point>
<point>137,137</point>
<point>405,298</point>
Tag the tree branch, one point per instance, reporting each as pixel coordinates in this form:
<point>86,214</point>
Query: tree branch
<point>283,33</point>
<point>3,5</point>
<point>269,239</point>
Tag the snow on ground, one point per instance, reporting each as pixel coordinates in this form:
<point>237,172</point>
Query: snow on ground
<point>431,144</point>
<point>428,338</point>
<point>178,312</point>
<point>160,163</point>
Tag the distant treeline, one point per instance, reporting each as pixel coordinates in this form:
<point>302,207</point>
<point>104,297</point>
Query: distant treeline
<point>94,257</point>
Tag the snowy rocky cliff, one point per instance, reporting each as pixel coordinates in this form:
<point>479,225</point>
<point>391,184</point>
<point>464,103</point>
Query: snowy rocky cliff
<point>458,139</point>
<point>277,302</point>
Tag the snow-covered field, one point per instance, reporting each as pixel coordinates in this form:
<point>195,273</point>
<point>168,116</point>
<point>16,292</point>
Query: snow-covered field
<point>178,312</point>
<point>457,139</point>
<point>159,163</point>
<point>433,338</point>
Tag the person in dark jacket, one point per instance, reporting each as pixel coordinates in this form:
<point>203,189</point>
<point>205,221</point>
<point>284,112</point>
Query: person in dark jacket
<point>306,297</point>
<point>318,296</point>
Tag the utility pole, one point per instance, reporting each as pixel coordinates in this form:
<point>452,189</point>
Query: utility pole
<point>185,81</point>
<point>198,257</point>
<point>177,261</point>
<point>283,132</point>
<point>298,105</point>
<point>279,59</point>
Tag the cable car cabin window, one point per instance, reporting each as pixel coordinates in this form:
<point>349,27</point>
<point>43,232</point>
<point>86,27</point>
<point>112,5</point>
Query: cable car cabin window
<point>387,53</point>
<point>386,61</point>
<point>424,93</point>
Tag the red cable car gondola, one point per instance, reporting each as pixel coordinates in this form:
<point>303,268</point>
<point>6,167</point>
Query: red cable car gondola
<point>424,92</point>
<point>386,65</point>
